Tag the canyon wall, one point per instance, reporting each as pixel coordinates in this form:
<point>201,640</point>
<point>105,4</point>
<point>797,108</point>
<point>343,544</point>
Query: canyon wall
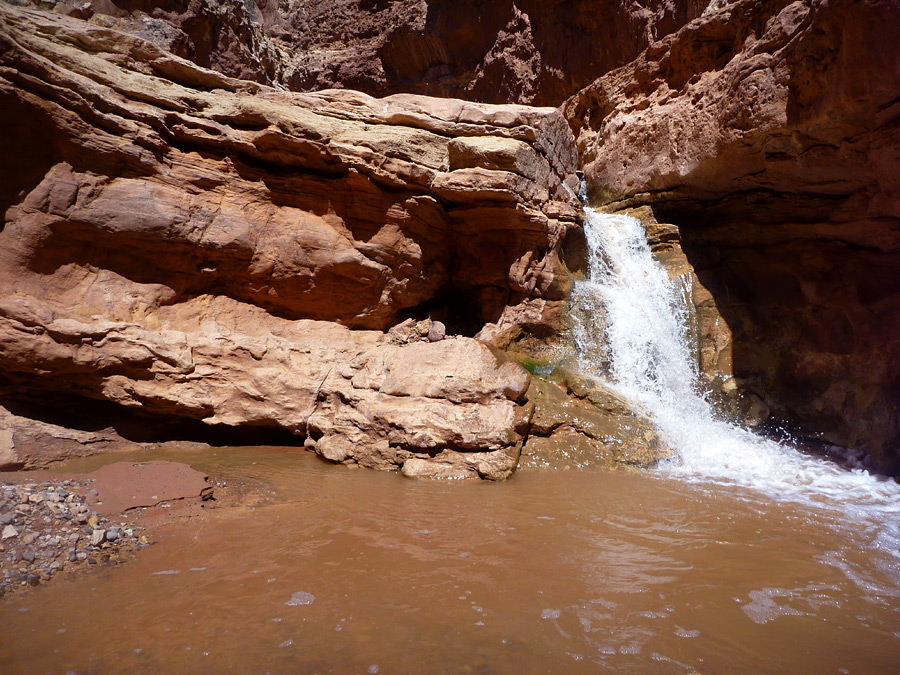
<point>187,240</point>
<point>768,133</point>
<point>187,246</point>
<point>195,246</point>
<point>502,51</point>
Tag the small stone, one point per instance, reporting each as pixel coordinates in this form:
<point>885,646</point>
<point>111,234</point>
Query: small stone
<point>7,518</point>
<point>97,537</point>
<point>28,538</point>
<point>111,535</point>
<point>36,498</point>
<point>9,532</point>
<point>81,555</point>
<point>28,556</point>
<point>93,520</point>
<point>437,332</point>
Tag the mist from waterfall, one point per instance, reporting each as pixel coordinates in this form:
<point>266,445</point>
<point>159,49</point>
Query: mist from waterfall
<point>631,331</point>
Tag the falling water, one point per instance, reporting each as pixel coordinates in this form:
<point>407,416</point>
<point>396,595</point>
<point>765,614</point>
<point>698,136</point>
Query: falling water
<point>637,341</point>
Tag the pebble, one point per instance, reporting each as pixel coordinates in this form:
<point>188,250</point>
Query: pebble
<point>9,532</point>
<point>97,537</point>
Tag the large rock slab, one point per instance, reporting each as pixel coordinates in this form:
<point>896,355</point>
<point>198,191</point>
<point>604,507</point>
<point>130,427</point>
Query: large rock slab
<point>767,132</point>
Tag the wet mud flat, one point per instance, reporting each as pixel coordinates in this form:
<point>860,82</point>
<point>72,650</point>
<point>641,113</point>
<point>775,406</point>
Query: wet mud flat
<point>314,568</point>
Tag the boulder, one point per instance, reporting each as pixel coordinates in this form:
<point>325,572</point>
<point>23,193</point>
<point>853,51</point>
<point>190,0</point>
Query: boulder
<point>578,423</point>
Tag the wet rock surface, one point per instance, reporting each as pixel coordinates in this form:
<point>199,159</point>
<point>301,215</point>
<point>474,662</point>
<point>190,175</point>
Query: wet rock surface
<point>579,423</point>
<point>767,133</point>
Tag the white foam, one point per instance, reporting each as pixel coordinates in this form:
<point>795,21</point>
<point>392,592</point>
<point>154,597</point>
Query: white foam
<point>630,329</point>
<point>301,598</point>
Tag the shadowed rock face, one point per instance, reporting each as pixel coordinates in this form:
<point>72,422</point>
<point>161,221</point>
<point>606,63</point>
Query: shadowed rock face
<point>768,133</point>
<point>204,248</point>
<point>527,51</point>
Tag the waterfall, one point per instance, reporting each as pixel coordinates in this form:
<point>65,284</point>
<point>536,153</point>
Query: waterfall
<point>630,330</point>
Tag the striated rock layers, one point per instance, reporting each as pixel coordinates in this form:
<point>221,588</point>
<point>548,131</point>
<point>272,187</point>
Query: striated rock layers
<point>193,246</point>
<point>502,51</point>
<point>769,133</point>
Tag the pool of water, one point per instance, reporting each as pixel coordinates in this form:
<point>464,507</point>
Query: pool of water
<point>339,571</point>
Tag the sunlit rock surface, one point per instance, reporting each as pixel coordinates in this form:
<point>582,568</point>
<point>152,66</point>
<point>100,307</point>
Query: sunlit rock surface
<point>194,246</point>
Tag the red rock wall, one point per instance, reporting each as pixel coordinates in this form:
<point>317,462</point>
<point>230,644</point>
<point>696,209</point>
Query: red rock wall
<point>768,132</point>
<point>527,51</point>
<point>199,247</point>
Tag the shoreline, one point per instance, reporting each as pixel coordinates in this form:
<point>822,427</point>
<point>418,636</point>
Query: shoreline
<point>54,523</point>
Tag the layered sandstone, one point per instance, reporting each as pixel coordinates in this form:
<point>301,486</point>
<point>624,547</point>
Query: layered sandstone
<point>768,133</point>
<point>193,246</point>
<point>503,51</point>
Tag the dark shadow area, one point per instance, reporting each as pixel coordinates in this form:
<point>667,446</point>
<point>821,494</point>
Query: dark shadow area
<point>462,310</point>
<point>27,152</point>
<point>84,414</point>
<point>814,317</point>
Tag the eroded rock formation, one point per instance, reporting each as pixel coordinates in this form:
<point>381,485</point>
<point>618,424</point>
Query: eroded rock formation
<point>207,248</point>
<point>198,245</point>
<point>527,51</point>
<point>768,133</point>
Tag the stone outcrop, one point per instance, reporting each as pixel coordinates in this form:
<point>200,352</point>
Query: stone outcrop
<point>504,51</point>
<point>193,246</point>
<point>767,133</point>
<point>28,443</point>
<point>579,423</point>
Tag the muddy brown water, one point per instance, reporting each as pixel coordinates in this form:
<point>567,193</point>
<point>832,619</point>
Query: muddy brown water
<point>339,571</point>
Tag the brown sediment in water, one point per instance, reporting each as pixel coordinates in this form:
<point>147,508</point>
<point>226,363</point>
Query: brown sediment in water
<point>318,569</point>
